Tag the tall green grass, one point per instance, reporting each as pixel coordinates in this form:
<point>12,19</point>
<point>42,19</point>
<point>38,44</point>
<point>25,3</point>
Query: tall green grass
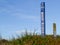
<point>31,39</point>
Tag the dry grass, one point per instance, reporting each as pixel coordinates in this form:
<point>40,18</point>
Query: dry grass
<point>29,39</point>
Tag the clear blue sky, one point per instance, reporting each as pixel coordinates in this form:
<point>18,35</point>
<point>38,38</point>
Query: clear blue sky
<point>18,15</point>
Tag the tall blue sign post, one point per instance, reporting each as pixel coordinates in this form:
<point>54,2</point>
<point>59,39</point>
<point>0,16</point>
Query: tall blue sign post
<point>43,18</point>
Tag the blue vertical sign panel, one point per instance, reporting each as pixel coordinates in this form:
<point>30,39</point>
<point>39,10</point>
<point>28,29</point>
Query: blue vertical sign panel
<point>43,18</point>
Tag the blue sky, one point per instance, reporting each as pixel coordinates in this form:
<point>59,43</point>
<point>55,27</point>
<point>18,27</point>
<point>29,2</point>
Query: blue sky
<point>18,15</point>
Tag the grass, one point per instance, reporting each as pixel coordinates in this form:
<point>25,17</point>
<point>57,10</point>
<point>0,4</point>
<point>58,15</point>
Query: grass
<point>32,39</point>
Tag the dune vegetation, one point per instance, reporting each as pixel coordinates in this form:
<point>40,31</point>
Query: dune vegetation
<point>32,39</point>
